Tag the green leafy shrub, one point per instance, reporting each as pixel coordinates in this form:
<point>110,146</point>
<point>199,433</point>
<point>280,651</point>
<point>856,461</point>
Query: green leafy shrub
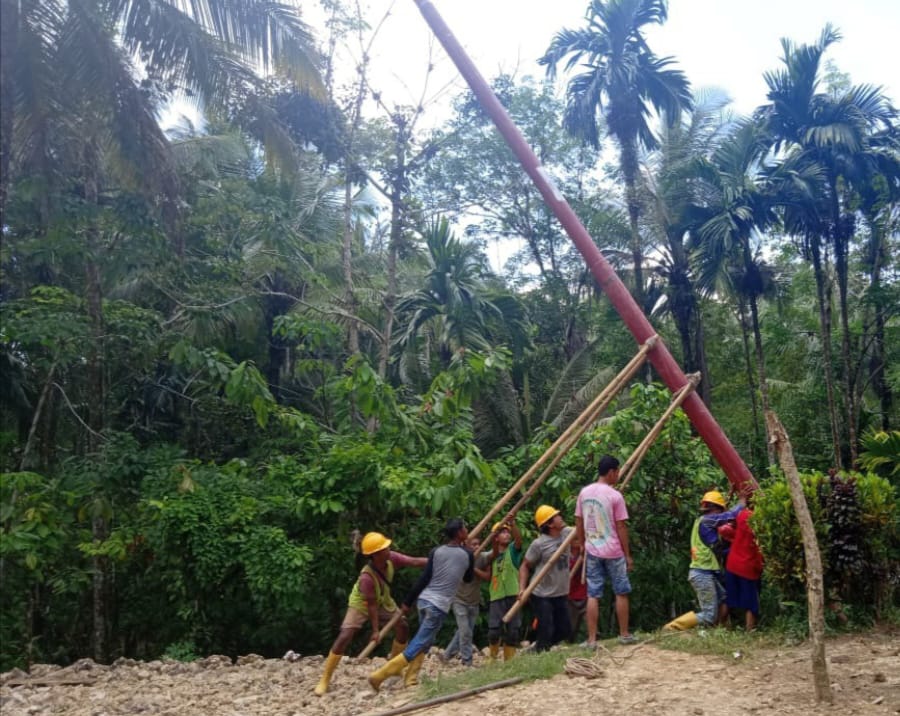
<point>856,522</point>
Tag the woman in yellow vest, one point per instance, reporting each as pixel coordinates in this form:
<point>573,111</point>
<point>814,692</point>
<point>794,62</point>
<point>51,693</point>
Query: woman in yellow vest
<point>371,601</point>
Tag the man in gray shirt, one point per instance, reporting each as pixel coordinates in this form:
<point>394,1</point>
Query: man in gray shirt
<point>465,608</point>
<point>550,598</point>
<point>448,565</point>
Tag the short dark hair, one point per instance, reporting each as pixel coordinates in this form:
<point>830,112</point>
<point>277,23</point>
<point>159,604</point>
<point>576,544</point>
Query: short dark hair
<point>607,463</point>
<point>453,526</point>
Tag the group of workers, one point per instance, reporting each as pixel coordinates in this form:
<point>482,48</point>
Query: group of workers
<point>599,553</point>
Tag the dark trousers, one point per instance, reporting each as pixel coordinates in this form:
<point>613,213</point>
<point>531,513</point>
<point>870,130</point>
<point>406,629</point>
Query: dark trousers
<point>553,620</point>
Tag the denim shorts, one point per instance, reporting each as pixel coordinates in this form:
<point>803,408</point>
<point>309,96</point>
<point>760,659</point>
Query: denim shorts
<point>599,571</point>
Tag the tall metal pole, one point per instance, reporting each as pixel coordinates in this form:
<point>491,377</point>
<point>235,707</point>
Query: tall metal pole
<point>660,357</point>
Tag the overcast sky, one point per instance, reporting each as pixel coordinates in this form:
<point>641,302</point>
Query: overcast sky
<point>723,43</point>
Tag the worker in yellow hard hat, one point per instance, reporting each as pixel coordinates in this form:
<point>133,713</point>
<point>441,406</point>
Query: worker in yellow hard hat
<point>706,574</point>
<point>371,600</point>
<point>504,558</point>
<point>550,597</point>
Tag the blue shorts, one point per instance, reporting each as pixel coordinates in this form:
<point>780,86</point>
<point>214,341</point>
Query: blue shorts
<point>599,571</point>
<point>742,593</point>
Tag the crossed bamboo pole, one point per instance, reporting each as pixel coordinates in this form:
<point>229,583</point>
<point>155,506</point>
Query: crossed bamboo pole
<point>564,442</point>
<point>630,467</point>
<point>634,460</point>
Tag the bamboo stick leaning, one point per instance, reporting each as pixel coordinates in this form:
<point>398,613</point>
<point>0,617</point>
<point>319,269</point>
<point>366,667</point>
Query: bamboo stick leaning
<point>565,441</point>
<point>370,647</point>
<point>634,460</point>
<point>523,597</point>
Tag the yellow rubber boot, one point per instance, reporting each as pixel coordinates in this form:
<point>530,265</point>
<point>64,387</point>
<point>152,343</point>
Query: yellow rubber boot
<point>494,651</point>
<point>412,671</point>
<point>396,648</point>
<point>508,652</point>
<point>331,663</point>
<point>685,621</point>
<point>391,668</point>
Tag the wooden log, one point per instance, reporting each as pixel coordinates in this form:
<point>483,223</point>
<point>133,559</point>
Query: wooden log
<point>450,697</point>
<point>523,597</point>
<point>370,647</point>
<point>815,586</point>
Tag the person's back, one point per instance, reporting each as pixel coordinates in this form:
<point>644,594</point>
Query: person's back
<point>449,564</point>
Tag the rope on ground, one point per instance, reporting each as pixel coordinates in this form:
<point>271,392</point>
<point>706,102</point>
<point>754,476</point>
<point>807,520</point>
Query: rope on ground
<point>579,666</point>
<point>591,668</point>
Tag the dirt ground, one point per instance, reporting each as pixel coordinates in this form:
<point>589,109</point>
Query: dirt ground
<point>864,672</point>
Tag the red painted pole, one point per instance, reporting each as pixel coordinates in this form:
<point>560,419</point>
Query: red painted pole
<point>660,357</point>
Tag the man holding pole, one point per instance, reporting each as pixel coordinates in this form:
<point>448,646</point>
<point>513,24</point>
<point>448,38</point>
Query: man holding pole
<point>601,521</point>
<point>448,565</point>
<point>371,600</point>
<point>550,597</point>
<point>505,557</point>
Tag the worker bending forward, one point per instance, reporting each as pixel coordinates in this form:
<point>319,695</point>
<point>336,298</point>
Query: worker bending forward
<point>433,593</point>
<point>371,600</point>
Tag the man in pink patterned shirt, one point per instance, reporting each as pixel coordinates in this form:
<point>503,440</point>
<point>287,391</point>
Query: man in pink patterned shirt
<point>601,520</point>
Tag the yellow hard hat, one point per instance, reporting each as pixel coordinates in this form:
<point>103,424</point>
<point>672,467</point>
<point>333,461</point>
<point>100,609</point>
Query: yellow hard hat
<point>714,497</point>
<point>500,526</point>
<point>374,542</point>
<point>544,514</point>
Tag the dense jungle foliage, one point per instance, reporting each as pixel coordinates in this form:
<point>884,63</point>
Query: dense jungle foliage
<point>229,350</point>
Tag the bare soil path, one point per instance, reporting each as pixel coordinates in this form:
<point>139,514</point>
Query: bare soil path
<point>864,670</point>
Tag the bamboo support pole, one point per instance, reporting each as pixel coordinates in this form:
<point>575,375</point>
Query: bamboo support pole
<point>634,460</point>
<point>565,441</point>
<point>408,708</point>
<point>576,568</point>
<point>523,597</point>
<point>370,647</point>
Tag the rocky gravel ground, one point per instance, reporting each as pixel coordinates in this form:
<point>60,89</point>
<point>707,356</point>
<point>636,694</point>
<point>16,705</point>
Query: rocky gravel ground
<point>864,671</point>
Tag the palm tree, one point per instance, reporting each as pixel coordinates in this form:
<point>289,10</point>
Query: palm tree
<point>670,178</point>
<point>67,67</point>
<point>620,80</point>
<point>737,206</point>
<point>454,309</point>
<point>833,131</point>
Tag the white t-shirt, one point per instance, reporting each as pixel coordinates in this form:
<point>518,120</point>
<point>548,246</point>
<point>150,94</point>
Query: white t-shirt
<point>600,507</point>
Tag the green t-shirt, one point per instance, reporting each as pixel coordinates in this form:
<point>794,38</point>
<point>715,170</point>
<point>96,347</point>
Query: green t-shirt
<point>505,573</point>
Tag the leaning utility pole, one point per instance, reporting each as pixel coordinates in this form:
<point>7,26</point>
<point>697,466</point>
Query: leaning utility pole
<point>660,357</point>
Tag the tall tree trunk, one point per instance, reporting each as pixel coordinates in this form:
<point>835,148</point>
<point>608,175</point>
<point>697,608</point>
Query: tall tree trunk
<point>9,30</point>
<point>823,298</point>
<point>876,259</point>
<point>629,165</point>
<point>842,227</point>
<point>36,419</point>
<point>687,316</point>
<point>751,381</point>
<point>96,390</point>
<point>347,267</point>
<point>398,188</point>
<point>761,370</point>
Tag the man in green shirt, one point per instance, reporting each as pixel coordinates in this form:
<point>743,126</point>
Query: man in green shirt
<point>505,557</point>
